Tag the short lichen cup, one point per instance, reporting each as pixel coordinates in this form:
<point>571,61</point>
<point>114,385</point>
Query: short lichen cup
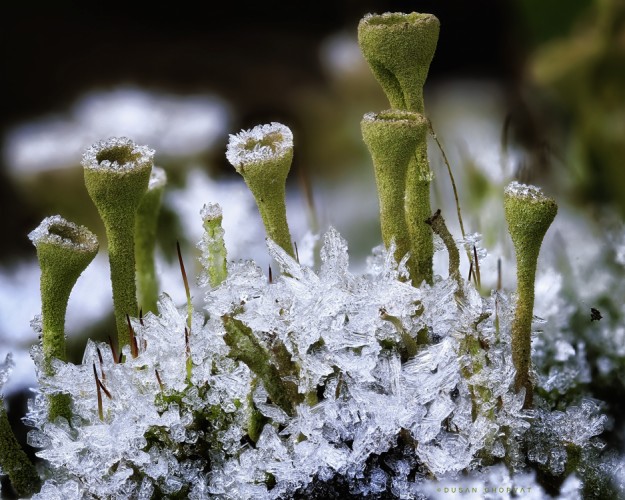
<point>399,49</point>
<point>392,137</point>
<point>263,157</point>
<point>146,225</point>
<point>64,251</point>
<point>117,173</point>
<point>529,213</point>
<point>214,255</point>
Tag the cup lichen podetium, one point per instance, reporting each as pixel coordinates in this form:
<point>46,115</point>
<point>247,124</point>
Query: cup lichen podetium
<point>399,49</point>
<point>146,225</point>
<point>392,137</point>
<point>263,157</point>
<point>529,213</point>
<point>64,251</point>
<point>117,174</point>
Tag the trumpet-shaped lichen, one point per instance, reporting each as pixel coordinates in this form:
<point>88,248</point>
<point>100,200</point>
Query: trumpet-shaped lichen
<point>117,174</point>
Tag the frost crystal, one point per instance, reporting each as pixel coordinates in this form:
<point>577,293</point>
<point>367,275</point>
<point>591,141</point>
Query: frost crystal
<point>259,144</point>
<point>158,178</point>
<point>58,231</point>
<point>117,154</point>
<point>528,192</point>
<point>5,370</point>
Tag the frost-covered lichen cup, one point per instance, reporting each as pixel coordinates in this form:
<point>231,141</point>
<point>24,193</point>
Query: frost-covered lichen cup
<point>529,213</point>
<point>263,157</point>
<point>117,173</point>
<point>64,251</point>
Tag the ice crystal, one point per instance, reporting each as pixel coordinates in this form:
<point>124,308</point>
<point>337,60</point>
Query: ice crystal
<point>132,156</point>
<point>5,370</point>
<point>526,191</point>
<point>259,144</point>
<point>58,231</point>
<point>158,178</point>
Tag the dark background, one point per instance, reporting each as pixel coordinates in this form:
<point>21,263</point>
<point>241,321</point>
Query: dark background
<point>251,54</point>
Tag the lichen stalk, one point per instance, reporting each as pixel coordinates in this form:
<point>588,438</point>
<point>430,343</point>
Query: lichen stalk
<point>263,157</point>
<point>529,213</point>
<point>117,173</point>
<point>64,250</point>
<point>246,348</point>
<point>214,255</point>
<point>418,210</point>
<point>399,49</point>
<point>146,224</point>
<point>438,225</point>
<point>391,137</point>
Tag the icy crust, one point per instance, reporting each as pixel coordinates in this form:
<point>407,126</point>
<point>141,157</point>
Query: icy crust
<point>211,211</point>
<point>6,367</point>
<point>259,144</point>
<point>56,230</point>
<point>398,116</point>
<point>158,179</point>
<point>117,154</point>
<point>382,420</point>
<point>525,192</point>
<point>397,19</point>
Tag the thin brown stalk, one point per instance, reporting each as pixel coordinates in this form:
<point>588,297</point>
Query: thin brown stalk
<point>186,286</point>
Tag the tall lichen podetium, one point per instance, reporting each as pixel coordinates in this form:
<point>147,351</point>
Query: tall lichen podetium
<point>146,225</point>
<point>391,137</point>
<point>214,255</point>
<point>64,251</point>
<point>529,213</point>
<point>117,173</point>
<point>263,157</point>
<point>399,49</point>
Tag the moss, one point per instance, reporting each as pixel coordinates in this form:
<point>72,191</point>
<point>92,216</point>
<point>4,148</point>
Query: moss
<point>399,49</point>
<point>437,222</point>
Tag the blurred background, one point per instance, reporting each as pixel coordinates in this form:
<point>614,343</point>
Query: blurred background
<point>521,89</point>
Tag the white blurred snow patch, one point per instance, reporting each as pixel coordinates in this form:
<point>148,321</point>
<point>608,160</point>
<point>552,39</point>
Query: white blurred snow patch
<point>340,55</point>
<point>468,117</point>
<point>20,301</point>
<point>244,231</point>
<point>173,125</point>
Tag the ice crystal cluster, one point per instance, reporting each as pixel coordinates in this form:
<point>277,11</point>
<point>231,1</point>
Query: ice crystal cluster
<point>176,417</point>
<point>259,143</point>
